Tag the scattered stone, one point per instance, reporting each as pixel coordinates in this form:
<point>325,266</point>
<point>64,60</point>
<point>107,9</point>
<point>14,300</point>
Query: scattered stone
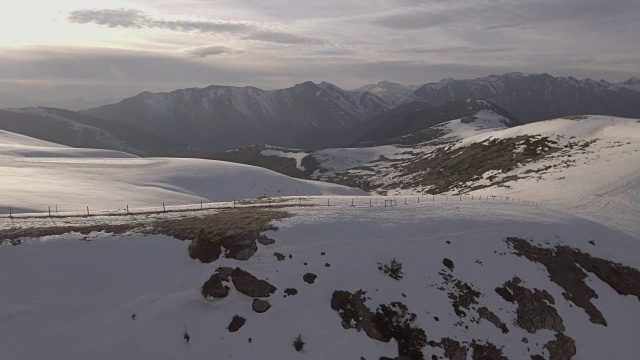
<point>290,256</point>
<point>592,242</point>
<point>448,242</point>
<point>309,278</point>
<point>327,265</point>
<point>537,357</point>
<point>279,256</point>
<point>535,310</point>
<point>436,318</point>
<point>250,285</point>
<point>250,340</point>
<point>260,306</point>
<point>290,291</point>
<point>448,263</point>
<point>305,264</point>
<point>525,340</point>
<point>462,297</point>
<point>562,348</point>
<point>133,316</point>
<point>403,295</point>
<point>236,323</point>
<point>322,253</point>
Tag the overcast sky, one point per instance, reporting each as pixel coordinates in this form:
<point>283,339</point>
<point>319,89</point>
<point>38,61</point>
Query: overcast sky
<point>81,48</point>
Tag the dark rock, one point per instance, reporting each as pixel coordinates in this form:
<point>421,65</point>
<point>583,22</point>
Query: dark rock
<point>260,306</point>
<point>355,314</point>
<point>250,285</point>
<point>567,266</point>
<point>535,310</point>
<point>448,263</point>
<point>290,291</point>
<point>240,247</point>
<point>264,240</point>
<point>279,256</point>
<point>236,323</point>
<point>562,348</point>
<point>396,321</point>
<point>309,278</point>
<point>214,288</point>
<point>493,318</point>
<point>486,351</point>
<point>453,350</point>
<point>322,253</point>
<point>327,265</point>
<point>290,256</point>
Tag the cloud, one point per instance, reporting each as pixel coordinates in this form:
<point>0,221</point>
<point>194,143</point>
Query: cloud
<point>204,51</point>
<point>113,18</point>
<point>283,38</point>
<point>458,50</point>
<point>128,18</point>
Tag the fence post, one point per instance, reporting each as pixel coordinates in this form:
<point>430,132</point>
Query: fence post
<point>10,214</point>
<point>405,201</point>
<point>300,201</point>
<point>327,202</point>
<point>370,203</point>
<point>200,204</point>
<point>49,211</point>
<point>434,198</point>
<point>418,199</point>
<point>269,202</point>
<point>460,197</point>
<point>447,199</point>
<point>56,208</point>
<point>88,211</point>
<point>352,202</point>
<point>234,203</point>
<point>163,208</point>
<point>127,208</point>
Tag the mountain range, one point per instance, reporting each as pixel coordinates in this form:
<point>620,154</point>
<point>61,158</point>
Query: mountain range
<point>198,122</point>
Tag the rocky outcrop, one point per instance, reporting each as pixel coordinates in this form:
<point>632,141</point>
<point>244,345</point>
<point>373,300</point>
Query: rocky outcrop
<point>260,306</point>
<point>250,285</point>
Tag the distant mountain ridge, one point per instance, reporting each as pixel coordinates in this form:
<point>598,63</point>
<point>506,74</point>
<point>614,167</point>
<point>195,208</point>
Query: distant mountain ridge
<point>78,130</point>
<point>222,117</point>
<point>540,96</point>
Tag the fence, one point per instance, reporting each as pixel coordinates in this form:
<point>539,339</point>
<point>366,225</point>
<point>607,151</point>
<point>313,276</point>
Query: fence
<point>356,201</point>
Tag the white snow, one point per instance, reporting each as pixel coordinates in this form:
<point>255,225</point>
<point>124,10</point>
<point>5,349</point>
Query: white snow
<point>36,174</point>
<point>64,298</point>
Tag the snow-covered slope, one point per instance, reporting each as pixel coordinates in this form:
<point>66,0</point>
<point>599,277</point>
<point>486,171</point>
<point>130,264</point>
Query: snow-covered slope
<point>37,174</point>
<point>136,297</point>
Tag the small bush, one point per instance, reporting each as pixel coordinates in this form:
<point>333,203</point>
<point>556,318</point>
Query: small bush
<point>394,270</point>
<point>298,343</point>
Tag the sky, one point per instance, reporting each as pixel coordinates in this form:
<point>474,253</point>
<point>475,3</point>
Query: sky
<point>84,52</point>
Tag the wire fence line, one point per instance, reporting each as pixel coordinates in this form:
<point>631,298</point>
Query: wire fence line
<point>374,201</point>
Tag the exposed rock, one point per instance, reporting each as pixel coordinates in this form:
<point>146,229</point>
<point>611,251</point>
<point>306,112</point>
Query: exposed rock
<point>537,357</point>
<point>214,288</point>
<point>396,321</point>
<point>355,314</point>
<point>264,240</point>
<point>236,323</point>
<point>290,291</point>
<point>240,247</point>
<point>279,256</point>
<point>448,263</point>
<point>534,310</point>
<point>493,318</point>
<point>250,285</point>
<point>260,306</point>
<point>562,348</point>
<point>309,278</point>
<point>463,296</point>
<point>486,351</point>
<point>565,266</point>
<point>327,265</point>
<point>453,350</point>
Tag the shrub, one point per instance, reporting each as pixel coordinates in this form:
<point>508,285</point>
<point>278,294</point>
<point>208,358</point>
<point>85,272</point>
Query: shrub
<point>298,343</point>
<point>394,270</point>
